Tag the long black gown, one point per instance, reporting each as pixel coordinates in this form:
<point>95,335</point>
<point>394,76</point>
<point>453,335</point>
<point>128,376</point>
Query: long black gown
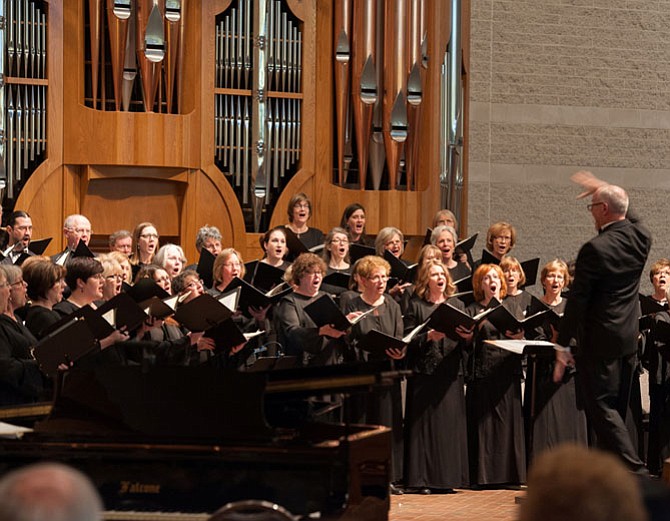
<point>299,335</point>
<point>557,418</point>
<point>656,360</point>
<point>436,444</point>
<point>382,406</point>
<point>495,417</point>
<point>20,378</point>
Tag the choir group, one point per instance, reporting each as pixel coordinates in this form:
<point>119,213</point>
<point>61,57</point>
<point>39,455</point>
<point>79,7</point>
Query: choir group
<point>459,420</point>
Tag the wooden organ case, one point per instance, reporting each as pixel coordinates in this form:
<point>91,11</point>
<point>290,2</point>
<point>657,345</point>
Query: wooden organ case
<point>187,112</point>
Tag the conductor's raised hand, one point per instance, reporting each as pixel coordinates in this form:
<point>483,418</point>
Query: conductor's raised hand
<point>588,182</point>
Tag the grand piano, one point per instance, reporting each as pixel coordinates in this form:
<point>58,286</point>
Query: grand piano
<point>168,440</point>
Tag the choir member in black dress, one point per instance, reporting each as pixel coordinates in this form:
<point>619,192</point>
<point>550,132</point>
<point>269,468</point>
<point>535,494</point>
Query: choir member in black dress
<point>384,406</point>
<point>85,280</point>
<point>299,212</point>
<point>656,359</point>
<point>336,255</point>
<point>515,278</point>
<point>353,220</point>
<point>495,418</point>
<point>171,257</point>
<point>227,266</point>
<point>500,239</point>
<point>273,243</point>
<point>297,332</point>
<point>436,448</point>
<point>20,378</point>
<point>445,238</point>
<point>145,244</point>
<point>427,253</point>
<point>392,240</point>
<point>557,419</point>
<point>45,289</point>
<point>124,262</point>
<point>113,277</point>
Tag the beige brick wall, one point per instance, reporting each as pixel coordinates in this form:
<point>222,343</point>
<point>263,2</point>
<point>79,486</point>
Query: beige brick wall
<point>561,85</point>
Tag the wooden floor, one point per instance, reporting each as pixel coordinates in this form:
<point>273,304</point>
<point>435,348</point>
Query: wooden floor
<point>463,505</point>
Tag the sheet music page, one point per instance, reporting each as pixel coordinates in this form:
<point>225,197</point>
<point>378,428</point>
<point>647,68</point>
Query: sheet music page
<point>7,430</point>
<point>517,346</point>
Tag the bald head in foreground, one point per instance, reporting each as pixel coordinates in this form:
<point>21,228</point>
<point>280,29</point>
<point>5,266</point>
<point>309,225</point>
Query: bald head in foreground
<point>48,492</point>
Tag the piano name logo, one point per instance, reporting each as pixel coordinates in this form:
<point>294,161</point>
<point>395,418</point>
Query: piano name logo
<point>133,487</point>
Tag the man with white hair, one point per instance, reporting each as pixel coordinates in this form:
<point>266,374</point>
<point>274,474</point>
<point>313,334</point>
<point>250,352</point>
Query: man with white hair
<point>48,492</point>
<point>75,228</point>
<point>602,316</point>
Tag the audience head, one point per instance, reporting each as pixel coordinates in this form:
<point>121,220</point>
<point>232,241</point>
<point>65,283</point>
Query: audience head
<point>121,241</point>
<point>75,228</point>
<point>48,492</point>
<point>580,484</point>
<point>209,237</point>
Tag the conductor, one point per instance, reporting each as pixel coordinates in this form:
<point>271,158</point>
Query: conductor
<point>602,315</point>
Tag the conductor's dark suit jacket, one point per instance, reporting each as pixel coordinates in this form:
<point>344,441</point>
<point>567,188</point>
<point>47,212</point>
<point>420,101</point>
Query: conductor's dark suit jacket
<point>603,307</point>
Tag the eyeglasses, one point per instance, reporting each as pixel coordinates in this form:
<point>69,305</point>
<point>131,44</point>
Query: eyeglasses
<point>378,278</point>
<point>590,206</point>
<point>195,283</point>
<point>114,276</point>
<point>81,231</point>
<point>340,241</point>
<point>149,235</point>
<point>98,276</point>
<point>232,265</point>
<point>297,206</point>
<point>19,282</point>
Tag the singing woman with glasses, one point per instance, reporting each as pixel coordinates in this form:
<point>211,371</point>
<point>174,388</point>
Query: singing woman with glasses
<point>299,211</point>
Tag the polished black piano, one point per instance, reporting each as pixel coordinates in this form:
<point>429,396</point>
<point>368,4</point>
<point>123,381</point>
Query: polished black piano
<point>191,439</point>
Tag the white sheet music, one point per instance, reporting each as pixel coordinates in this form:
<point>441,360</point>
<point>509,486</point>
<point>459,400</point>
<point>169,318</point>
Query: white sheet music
<point>518,346</point>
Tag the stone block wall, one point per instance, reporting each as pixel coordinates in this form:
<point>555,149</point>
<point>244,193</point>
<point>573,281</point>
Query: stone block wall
<point>562,85</point>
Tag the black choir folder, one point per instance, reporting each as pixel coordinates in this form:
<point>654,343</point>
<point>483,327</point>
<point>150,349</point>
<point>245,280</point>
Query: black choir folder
<point>377,343</point>
<point>446,319</point>
<point>400,270</point>
<point>122,312</point>
<point>205,267</point>
<point>202,313</point>
<point>650,306</point>
<point>503,319</point>
<point>68,343</point>
<point>253,297</point>
<point>324,311</point>
<point>227,335</point>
